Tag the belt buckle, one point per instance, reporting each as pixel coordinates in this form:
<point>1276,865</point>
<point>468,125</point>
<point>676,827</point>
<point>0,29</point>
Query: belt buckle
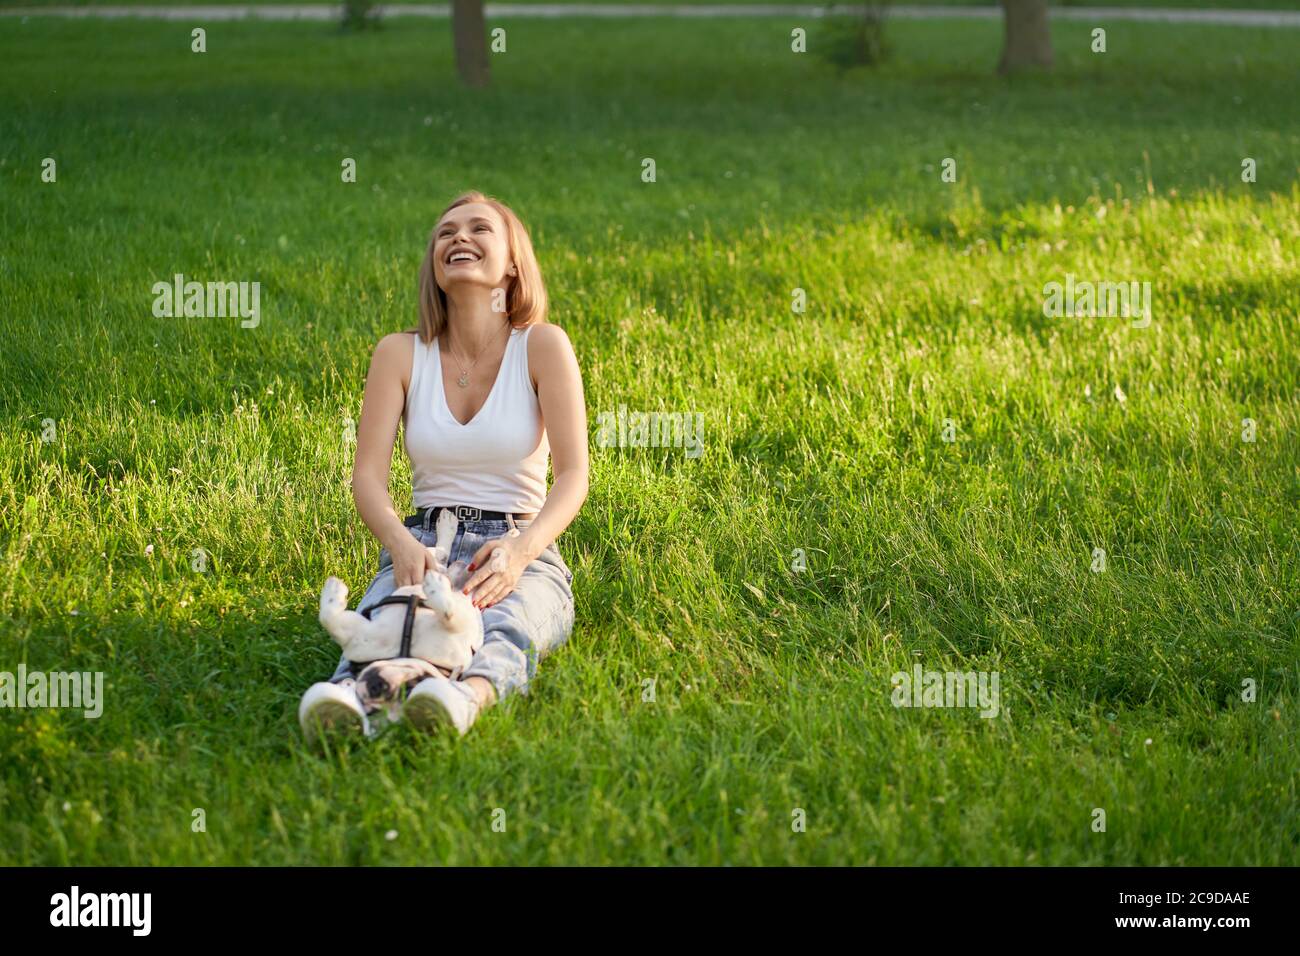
<point>466,513</point>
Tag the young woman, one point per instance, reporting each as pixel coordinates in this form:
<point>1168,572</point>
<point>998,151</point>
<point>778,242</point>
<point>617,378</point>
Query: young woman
<point>487,392</point>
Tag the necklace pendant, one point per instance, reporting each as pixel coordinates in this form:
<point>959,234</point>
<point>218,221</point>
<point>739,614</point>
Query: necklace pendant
<point>463,381</point>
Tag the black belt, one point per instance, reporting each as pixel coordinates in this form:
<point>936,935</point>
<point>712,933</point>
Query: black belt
<point>462,513</point>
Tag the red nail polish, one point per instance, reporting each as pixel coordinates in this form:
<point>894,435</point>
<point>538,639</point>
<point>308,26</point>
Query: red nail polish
<point>473,566</point>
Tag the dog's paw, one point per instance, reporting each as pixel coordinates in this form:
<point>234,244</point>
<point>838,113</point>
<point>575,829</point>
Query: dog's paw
<point>436,585</point>
<point>445,527</point>
<point>334,595</point>
<point>437,589</point>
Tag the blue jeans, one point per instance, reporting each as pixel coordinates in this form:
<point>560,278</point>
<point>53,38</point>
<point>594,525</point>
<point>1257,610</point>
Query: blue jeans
<point>528,623</point>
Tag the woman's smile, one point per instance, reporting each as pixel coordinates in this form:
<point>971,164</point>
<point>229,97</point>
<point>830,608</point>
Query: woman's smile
<point>471,247</point>
<point>458,256</point>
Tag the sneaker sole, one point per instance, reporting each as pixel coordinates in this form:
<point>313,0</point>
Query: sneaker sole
<point>427,714</point>
<point>332,715</point>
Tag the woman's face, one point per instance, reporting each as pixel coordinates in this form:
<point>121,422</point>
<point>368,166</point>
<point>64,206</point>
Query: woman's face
<point>470,247</point>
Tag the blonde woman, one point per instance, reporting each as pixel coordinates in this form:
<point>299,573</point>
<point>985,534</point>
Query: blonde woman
<point>489,394</point>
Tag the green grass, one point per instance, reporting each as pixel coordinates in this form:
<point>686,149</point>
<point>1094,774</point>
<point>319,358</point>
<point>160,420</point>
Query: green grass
<point>822,432</point>
<point>1179,4</point>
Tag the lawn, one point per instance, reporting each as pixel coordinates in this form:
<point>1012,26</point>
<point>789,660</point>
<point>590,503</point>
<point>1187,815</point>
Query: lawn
<point>1159,4</point>
<point>128,441</point>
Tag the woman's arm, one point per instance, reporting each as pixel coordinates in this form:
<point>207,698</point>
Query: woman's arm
<point>381,411</point>
<point>564,410</point>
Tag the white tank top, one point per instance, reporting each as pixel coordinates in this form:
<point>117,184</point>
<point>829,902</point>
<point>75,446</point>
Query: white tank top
<point>497,461</point>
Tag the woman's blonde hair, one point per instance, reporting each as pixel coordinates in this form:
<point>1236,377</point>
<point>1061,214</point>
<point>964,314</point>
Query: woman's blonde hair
<point>526,295</point>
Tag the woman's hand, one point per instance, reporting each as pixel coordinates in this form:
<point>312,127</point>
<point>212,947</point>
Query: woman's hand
<point>410,560</point>
<point>499,564</point>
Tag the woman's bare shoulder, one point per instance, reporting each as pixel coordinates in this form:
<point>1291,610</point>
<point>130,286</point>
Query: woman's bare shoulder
<point>396,343</point>
<point>548,342</point>
<point>393,355</point>
<point>549,350</point>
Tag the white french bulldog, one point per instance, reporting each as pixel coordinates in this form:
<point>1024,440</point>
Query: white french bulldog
<point>445,632</point>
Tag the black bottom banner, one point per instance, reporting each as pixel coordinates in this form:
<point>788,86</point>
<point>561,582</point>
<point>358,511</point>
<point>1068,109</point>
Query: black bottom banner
<point>1224,906</point>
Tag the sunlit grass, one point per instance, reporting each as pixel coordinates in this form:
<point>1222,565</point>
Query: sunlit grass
<point>822,433</point>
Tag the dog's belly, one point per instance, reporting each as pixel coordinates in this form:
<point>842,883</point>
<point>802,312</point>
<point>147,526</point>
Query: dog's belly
<point>433,642</point>
<point>431,639</point>
<point>382,640</point>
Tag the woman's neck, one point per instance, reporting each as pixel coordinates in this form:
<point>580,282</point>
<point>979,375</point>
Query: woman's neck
<point>471,323</point>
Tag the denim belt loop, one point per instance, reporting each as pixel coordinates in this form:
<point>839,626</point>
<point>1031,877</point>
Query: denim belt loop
<point>428,517</point>
<point>510,521</point>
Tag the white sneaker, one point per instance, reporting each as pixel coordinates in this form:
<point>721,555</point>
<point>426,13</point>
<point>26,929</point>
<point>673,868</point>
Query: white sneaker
<point>328,706</point>
<point>437,702</point>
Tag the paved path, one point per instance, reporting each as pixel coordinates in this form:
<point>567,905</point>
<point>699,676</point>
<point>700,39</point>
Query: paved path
<point>323,11</point>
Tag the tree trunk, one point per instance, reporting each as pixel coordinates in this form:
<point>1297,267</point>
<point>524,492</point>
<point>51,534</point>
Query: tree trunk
<point>469,37</point>
<point>1028,40</point>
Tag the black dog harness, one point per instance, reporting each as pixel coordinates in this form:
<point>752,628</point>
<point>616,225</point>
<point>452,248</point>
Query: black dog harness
<point>426,517</point>
<point>412,601</point>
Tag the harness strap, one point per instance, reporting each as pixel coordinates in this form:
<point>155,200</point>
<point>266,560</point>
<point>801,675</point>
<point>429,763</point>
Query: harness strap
<point>412,601</point>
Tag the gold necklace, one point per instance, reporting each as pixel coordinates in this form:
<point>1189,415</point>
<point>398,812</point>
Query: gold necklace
<point>463,381</point>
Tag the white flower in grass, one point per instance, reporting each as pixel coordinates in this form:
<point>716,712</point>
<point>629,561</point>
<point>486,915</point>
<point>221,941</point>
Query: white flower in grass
<point>1119,395</point>
<point>148,550</point>
<point>390,836</point>
<point>1147,742</point>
